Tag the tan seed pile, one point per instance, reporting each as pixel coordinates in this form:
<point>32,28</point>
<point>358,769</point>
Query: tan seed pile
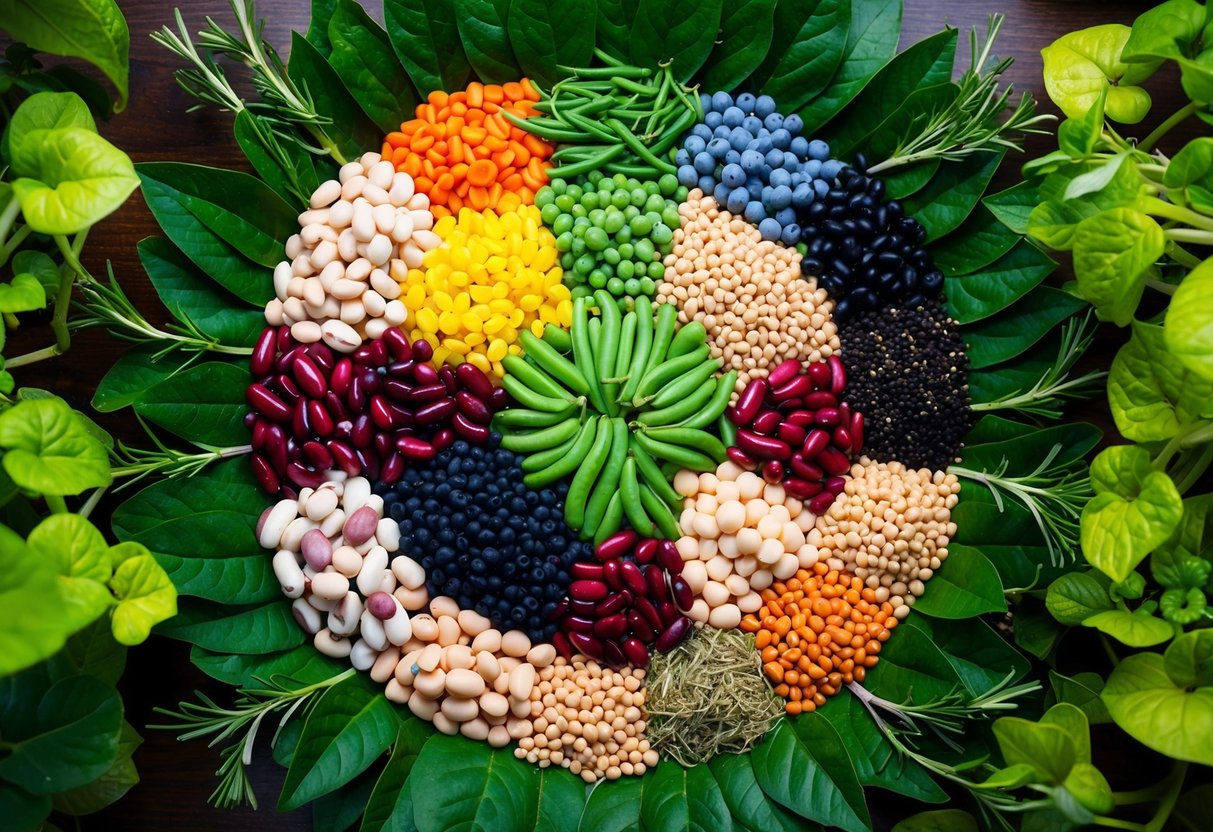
<point>748,292</point>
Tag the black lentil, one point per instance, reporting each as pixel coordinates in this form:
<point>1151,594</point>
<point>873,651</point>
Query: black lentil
<point>864,249</point>
<point>907,372</point>
<point>484,538</point>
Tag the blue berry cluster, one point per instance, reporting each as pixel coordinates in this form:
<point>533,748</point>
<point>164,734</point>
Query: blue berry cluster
<point>755,163</point>
<point>484,538</point>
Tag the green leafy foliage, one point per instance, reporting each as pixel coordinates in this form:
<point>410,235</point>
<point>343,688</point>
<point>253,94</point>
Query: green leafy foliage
<point>1189,323</point>
<point>48,450</point>
<point>952,193</point>
<point>362,56</point>
<point>1152,396</point>
<point>1113,253</point>
<point>485,41</point>
<point>871,41</point>
<point>200,404</point>
<point>347,127</point>
<point>426,40</point>
<point>678,32</point>
<point>746,32</point>
<point>1009,333</point>
<point>808,46</point>
<point>458,785</point>
<point>966,585</point>
<point>548,34</point>
<point>979,295</point>
<point>1081,65</point>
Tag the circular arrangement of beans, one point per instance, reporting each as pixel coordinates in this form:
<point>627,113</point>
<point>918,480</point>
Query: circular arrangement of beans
<point>397,501</point>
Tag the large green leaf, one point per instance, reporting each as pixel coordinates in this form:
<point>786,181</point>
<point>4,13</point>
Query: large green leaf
<point>348,127</point>
<point>117,780</point>
<point>291,171</point>
<point>230,580</point>
<point>980,240</point>
<point>977,654</point>
<point>458,785</point>
<point>49,449</point>
<point>1046,748</point>
<point>1153,396</point>
<point>390,807</point>
<point>136,370</point>
<point>808,46</point>
<point>911,668</point>
<point>29,586</point>
<point>1009,333</point>
<point>91,652</point>
<point>1114,252</point>
<point>548,34</point>
<point>1136,629</point>
<point>303,664</point>
<point>746,801</point>
<point>1014,205</point>
<point>615,807</point>
<point>1151,708</point>
<point>347,729</point>
<point>682,799</point>
<point>203,404</point>
<point>871,41</point>
<point>363,57</point>
<point>966,585</point>
<point>485,40</point>
<point>1076,596</point>
<point>677,32</point>
<point>998,285</point>
<point>222,629</point>
<point>562,797</point>
<point>1082,691</point>
<point>746,30</point>
<point>426,41</point>
<point>953,193</point>
<point>990,445</point>
<point>1189,323</point>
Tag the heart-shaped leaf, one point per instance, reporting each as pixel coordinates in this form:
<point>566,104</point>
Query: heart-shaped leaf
<point>1151,708</point>
<point>145,597</point>
<point>49,450</point>
<point>74,178</point>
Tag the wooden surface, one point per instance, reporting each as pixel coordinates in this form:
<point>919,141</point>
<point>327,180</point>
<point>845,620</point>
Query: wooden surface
<point>177,778</point>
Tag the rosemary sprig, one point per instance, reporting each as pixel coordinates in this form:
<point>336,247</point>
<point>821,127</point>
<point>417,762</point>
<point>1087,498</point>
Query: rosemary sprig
<point>1054,388</point>
<point>971,122</point>
<point>242,720</point>
<point>138,463</point>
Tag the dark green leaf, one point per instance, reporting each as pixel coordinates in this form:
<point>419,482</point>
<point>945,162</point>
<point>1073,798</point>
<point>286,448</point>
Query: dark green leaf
<point>952,193</point>
<point>547,34</point>
<point>223,629</point>
<point>910,179</point>
<point>363,57</point>
<point>684,798</point>
<point>234,580</point>
<point>339,810</point>
<point>911,668</point>
<point>1019,376</point>
<point>562,797</point>
<point>203,404</point>
<point>318,27</point>
<point>995,440</point>
<point>1076,596</point>
<point>22,809</point>
<point>746,801</point>
<point>459,786</point>
<point>390,807</point>
<point>304,664</point>
<point>190,295</point>
<point>615,807</point>
<point>135,372</point>
<point>1014,205</point>
<point>965,585</point>
<point>614,24</point>
<point>1009,333</point>
<point>907,121</point>
<point>285,166</point>
<point>677,32</point>
<point>1194,809</point>
<point>940,820</point>
<point>350,131</point>
<point>980,657</point>
<point>426,41</point>
<point>91,652</point>
<point>979,241</point>
<point>1082,691</point>
<point>110,786</point>
<point>980,295</point>
<point>871,41</point>
<point>485,40</point>
<point>746,29</point>
<point>808,47</point>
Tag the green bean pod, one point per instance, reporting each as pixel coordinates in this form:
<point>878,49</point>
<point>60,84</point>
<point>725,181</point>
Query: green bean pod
<point>586,165</point>
<point>667,317</point>
<point>680,409</point>
<point>660,513</point>
<point>519,417</point>
<point>658,376</point>
<point>608,482</point>
<point>555,364</point>
<point>688,338</point>
<point>716,406</point>
<point>638,147</point>
<point>640,352</point>
<point>629,491</point>
<point>558,338</point>
<point>728,430</point>
<point>527,397</point>
<point>591,127</point>
<point>677,454</point>
<point>651,473</point>
<point>529,443</point>
<point>587,473</point>
<point>612,519</point>
<point>700,440</point>
<point>627,343</point>
<point>533,376</point>
<point>606,348</point>
<point>554,463</point>
<point>685,384</point>
<point>674,132</point>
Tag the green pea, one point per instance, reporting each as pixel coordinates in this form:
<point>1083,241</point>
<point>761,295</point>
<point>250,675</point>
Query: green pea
<point>606,185</point>
<point>564,242</point>
<point>648,285</point>
<point>639,196</point>
<point>585,264</point>
<point>626,250</point>
<point>631,211</point>
<point>680,195</point>
<point>578,210</point>
<point>644,250</point>
<point>581,224</point>
<point>598,279</point>
<point>656,270</point>
<point>614,221</point>
<point>578,248</point>
<point>632,287</point>
<point>549,214</point>
<point>621,199</point>
<point>655,204</point>
<point>544,197</point>
<point>564,202</point>
<point>670,216</point>
<point>615,286</point>
<point>640,225</point>
<point>611,255</point>
<point>661,235</point>
<point>607,268</point>
<point>562,224</point>
<point>651,188</point>
<point>558,186</point>
<point>594,175</point>
<point>596,239</point>
<point>623,235</point>
<point>581,291</point>
<point>668,184</point>
<point>590,200</point>
<point>575,191</point>
<point>621,181</point>
<point>566,259</point>
<point>626,269</point>
<point>597,217</point>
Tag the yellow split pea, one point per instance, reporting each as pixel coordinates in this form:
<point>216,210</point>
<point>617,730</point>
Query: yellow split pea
<point>493,276</point>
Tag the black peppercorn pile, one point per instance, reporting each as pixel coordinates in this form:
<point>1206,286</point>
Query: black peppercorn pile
<point>907,372</point>
<point>484,538</point>
<point>866,251</point>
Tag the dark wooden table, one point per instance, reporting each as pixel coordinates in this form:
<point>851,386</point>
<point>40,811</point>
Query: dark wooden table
<point>177,778</point>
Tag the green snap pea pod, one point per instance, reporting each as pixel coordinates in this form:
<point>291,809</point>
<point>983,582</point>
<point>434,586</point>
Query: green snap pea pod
<point>653,476</point>
<point>728,430</point>
<point>587,85</point>
<point>590,127</point>
<point>716,405</point>
<point>555,364</point>
<point>677,454</point>
<point>638,147</point>
<point>641,172</point>
<point>612,519</point>
<point>558,338</point>
<point>667,317</point>
<point>668,370</point>
<point>619,70</point>
<point>554,463</point>
<point>608,482</point>
<point>674,132</point>
<point>584,355</point>
<point>700,440</point>
<point>692,102</point>
<point>632,86</point>
<point>685,384</point>
<point>550,129</point>
<point>529,443</point>
<point>586,165</point>
<point>640,352</point>
<point>587,473</point>
<point>606,346</point>
<point>530,374</point>
<point>629,491</point>
<point>660,512</point>
<point>520,417</point>
<point>627,343</point>
<point>607,58</point>
<point>688,338</point>
<point>595,328</point>
<point>527,397</point>
<point>663,100</point>
<point>681,409</point>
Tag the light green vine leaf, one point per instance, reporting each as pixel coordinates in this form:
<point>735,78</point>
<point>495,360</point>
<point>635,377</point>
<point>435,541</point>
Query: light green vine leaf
<point>49,450</point>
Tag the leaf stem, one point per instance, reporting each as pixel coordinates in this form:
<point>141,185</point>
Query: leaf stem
<point>1162,208</point>
<point>1181,255</point>
<point>7,218</point>
<point>93,500</point>
<point>1161,130</point>
<point>55,503</point>
<point>67,279</point>
<point>1193,470</point>
<point>1175,782</point>
<point>1188,235</point>
<point>1116,823</point>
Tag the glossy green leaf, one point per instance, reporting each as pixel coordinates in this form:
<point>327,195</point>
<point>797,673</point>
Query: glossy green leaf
<point>390,807</point>
<point>458,786</point>
<point>1078,137</point>
<point>614,807</point>
<point>1154,397</point>
<point>680,798</point>
<point>1114,253</point>
<point>1076,596</point>
<point>90,652</point>
<point>938,820</point>
<point>1096,179</point>
<point>145,597</point>
<point>562,797</point>
<point>953,193</point>
<point>994,288</point>
<point>1195,808</point>
<point>22,809</point>
<point>291,171</point>
<point>318,25</point>
<point>905,122</point>
<point>1135,629</point>
<point>548,34</point>
<point>29,586</point>
<point>81,556</point>
<point>347,729</point>
<point>203,404</point>
<point>980,241</point>
<point>1046,748</point>
<point>136,370</point>
<point>1074,722</point>
<point>871,42</point>
<point>1090,788</point>
<point>1055,220</point>
<point>71,739</point>
<point>746,31</point>
<point>233,580</point>
<point>1192,165</point>
<point>117,780</point>
<point>339,810</point>
<point>911,668</point>
<point>191,296</point>
<point>1146,703</point>
<point>808,46</point>
<point>1189,322</point>
<point>614,27</point>
<point>966,585</point>
<point>910,179</point>
<point>49,451</point>
<point>22,294</point>
<point>426,41</point>
<point>1189,659</point>
<point>805,765</point>
<point>978,655</point>
<point>41,266</point>
<point>362,55</point>
<point>40,112</point>
<point>1081,690</point>
<point>482,30</point>
<point>678,32</point>
<point>735,775</point>
<point>1079,65</point>
<point>1014,205</point>
<point>304,664</point>
<point>72,179</point>
<point>348,128</point>
<point>223,629</point>
<point>93,30</point>
<point>1169,30</point>
<point>1012,331</point>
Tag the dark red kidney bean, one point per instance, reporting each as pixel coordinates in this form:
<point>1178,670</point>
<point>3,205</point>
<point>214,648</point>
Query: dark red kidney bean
<point>637,654</point>
<point>844,414</point>
<point>613,654</point>
<point>267,404</point>
<point>683,596</point>
<point>342,375</point>
<point>819,372</point>
<point>586,609</point>
<point>473,408</point>
<point>633,577</point>
<point>767,421</point>
<point>342,429</point>
<point>292,449</point>
<point>750,401</point>
<point>438,411</point>
<point>285,341</point>
<point>835,485</point>
<point>616,546</point>
<point>302,477</point>
<point>612,573</point>
<point>763,447</point>
<point>422,350</point>
<point>284,361</point>
<point>856,432</point>
<point>577,624</point>
<point>442,439</point>
<point>469,430</point>
<point>612,626</point>
<point>834,461</point>
<point>838,375</point>
<point>772,471</point>
<point>425,374</point>
<point>819,504</point>
<point>794,389</point>
<point>260,426</point>
<point>820,399</point>
<point>587,645</point>
<point>300,423</point>
<point>588,590</point>
<point>392,469</point>
<point>649,611</point>
<point>318,416</point>
<point>801,489</point>
<point>668,611</point>
<point>641,626</point>
<point>842,438</point>
<point>815,443</point>
<point>288,492</point>
<point>446,374</point>
<point>322,355</point>
<point>792,434</point>
<point>401,416</point>
<point>659,590</point>
<point>262,359</point>
<point>783,373</point>
<point>250,419</point>
<point>381,414</point>
<point>613,604</point>
<point>370,463</point>
<point>559,640</point>
<point>668,557</point>
<point>806,470</point>
<point>416,449</point>
<point>336,407</point>
<point>732,415</point>
<point>801,418</point>
<point>288,388</point>
<point>362,355</point>
<point>586,571</point>
<point>561,608</point>
<point>307,374</point>
<point>398,391</point>
<point>740,457</point>
<point>345,457</point>
<point>673,634</point>
<point>371,382</point>
<point>828,416</point>
<point>379,354</point>
<point>356,395</point>
<point>276,447</point>
<point>400,369</point>
<point>384,443</point>
<point>499,399</point>
<point>265,475</point>
<point>472,378</point>
<point>317,455</point>
<point>646,550</point>
<point>427,393</point>
<point>363,431</point>
<point>397,343</point>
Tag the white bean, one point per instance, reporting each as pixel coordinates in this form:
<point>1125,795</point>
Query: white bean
<point>301,266</point>
<point>332,645</point>
<point>320,215</point>
<point>282,278</point>
<point>402,227</point>
<point>411,253</point>
<point>347,289</point>
<point>340,336</point>
<point>398,628</point>
<point>375,328</point>
<point>358,269</point>
<point>307,616</point>
<point>295,530</point>
<point>402,189</point>
<point>288,573</point>
<point>348,171</point>
<point>352,187</point>
<point>294,246</point>
<point>385,218</point>
<point>385,664</point>
<point>395,313</point>
<point>273,312</point>
<point>418,202</point>
<point>313,291</point>
<point>379,249</point>
<point>294,289</point>
<point>276,522</point>
<point>331,586</point>
<point>372,630</point>
<point>369,160</point>
<point>343,620</point>
<point>305,332</point>
<point>330,274</point>
<point>347,244</point>
<point>314,233</point>
<point>341,214</point>
<point>363,224</point>
<point>362,655</point>
<point>373,303</point>
<point>422,220</point>
<point>426,240</point>
<point>374,194</point>
<point>382,283</point>
<point>325,253</point>
<point>357,492</point>
<point>321,604</point>
<point>387,532</point>
<point>372,569</point>
<point>321,504</point>
<point>333,523</point>
<point>409,572</point>
<point>381,174</point>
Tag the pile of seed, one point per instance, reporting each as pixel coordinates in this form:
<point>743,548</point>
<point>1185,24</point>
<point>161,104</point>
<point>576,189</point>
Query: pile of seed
<point>907,372</point>
<point>890,527</point>
<point>484,538</point>
<point>748,292</point>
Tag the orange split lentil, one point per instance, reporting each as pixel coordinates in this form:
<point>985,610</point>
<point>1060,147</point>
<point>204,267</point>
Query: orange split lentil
<point>461,151</point>
<point>816,632</point>
<point>494,275</point>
